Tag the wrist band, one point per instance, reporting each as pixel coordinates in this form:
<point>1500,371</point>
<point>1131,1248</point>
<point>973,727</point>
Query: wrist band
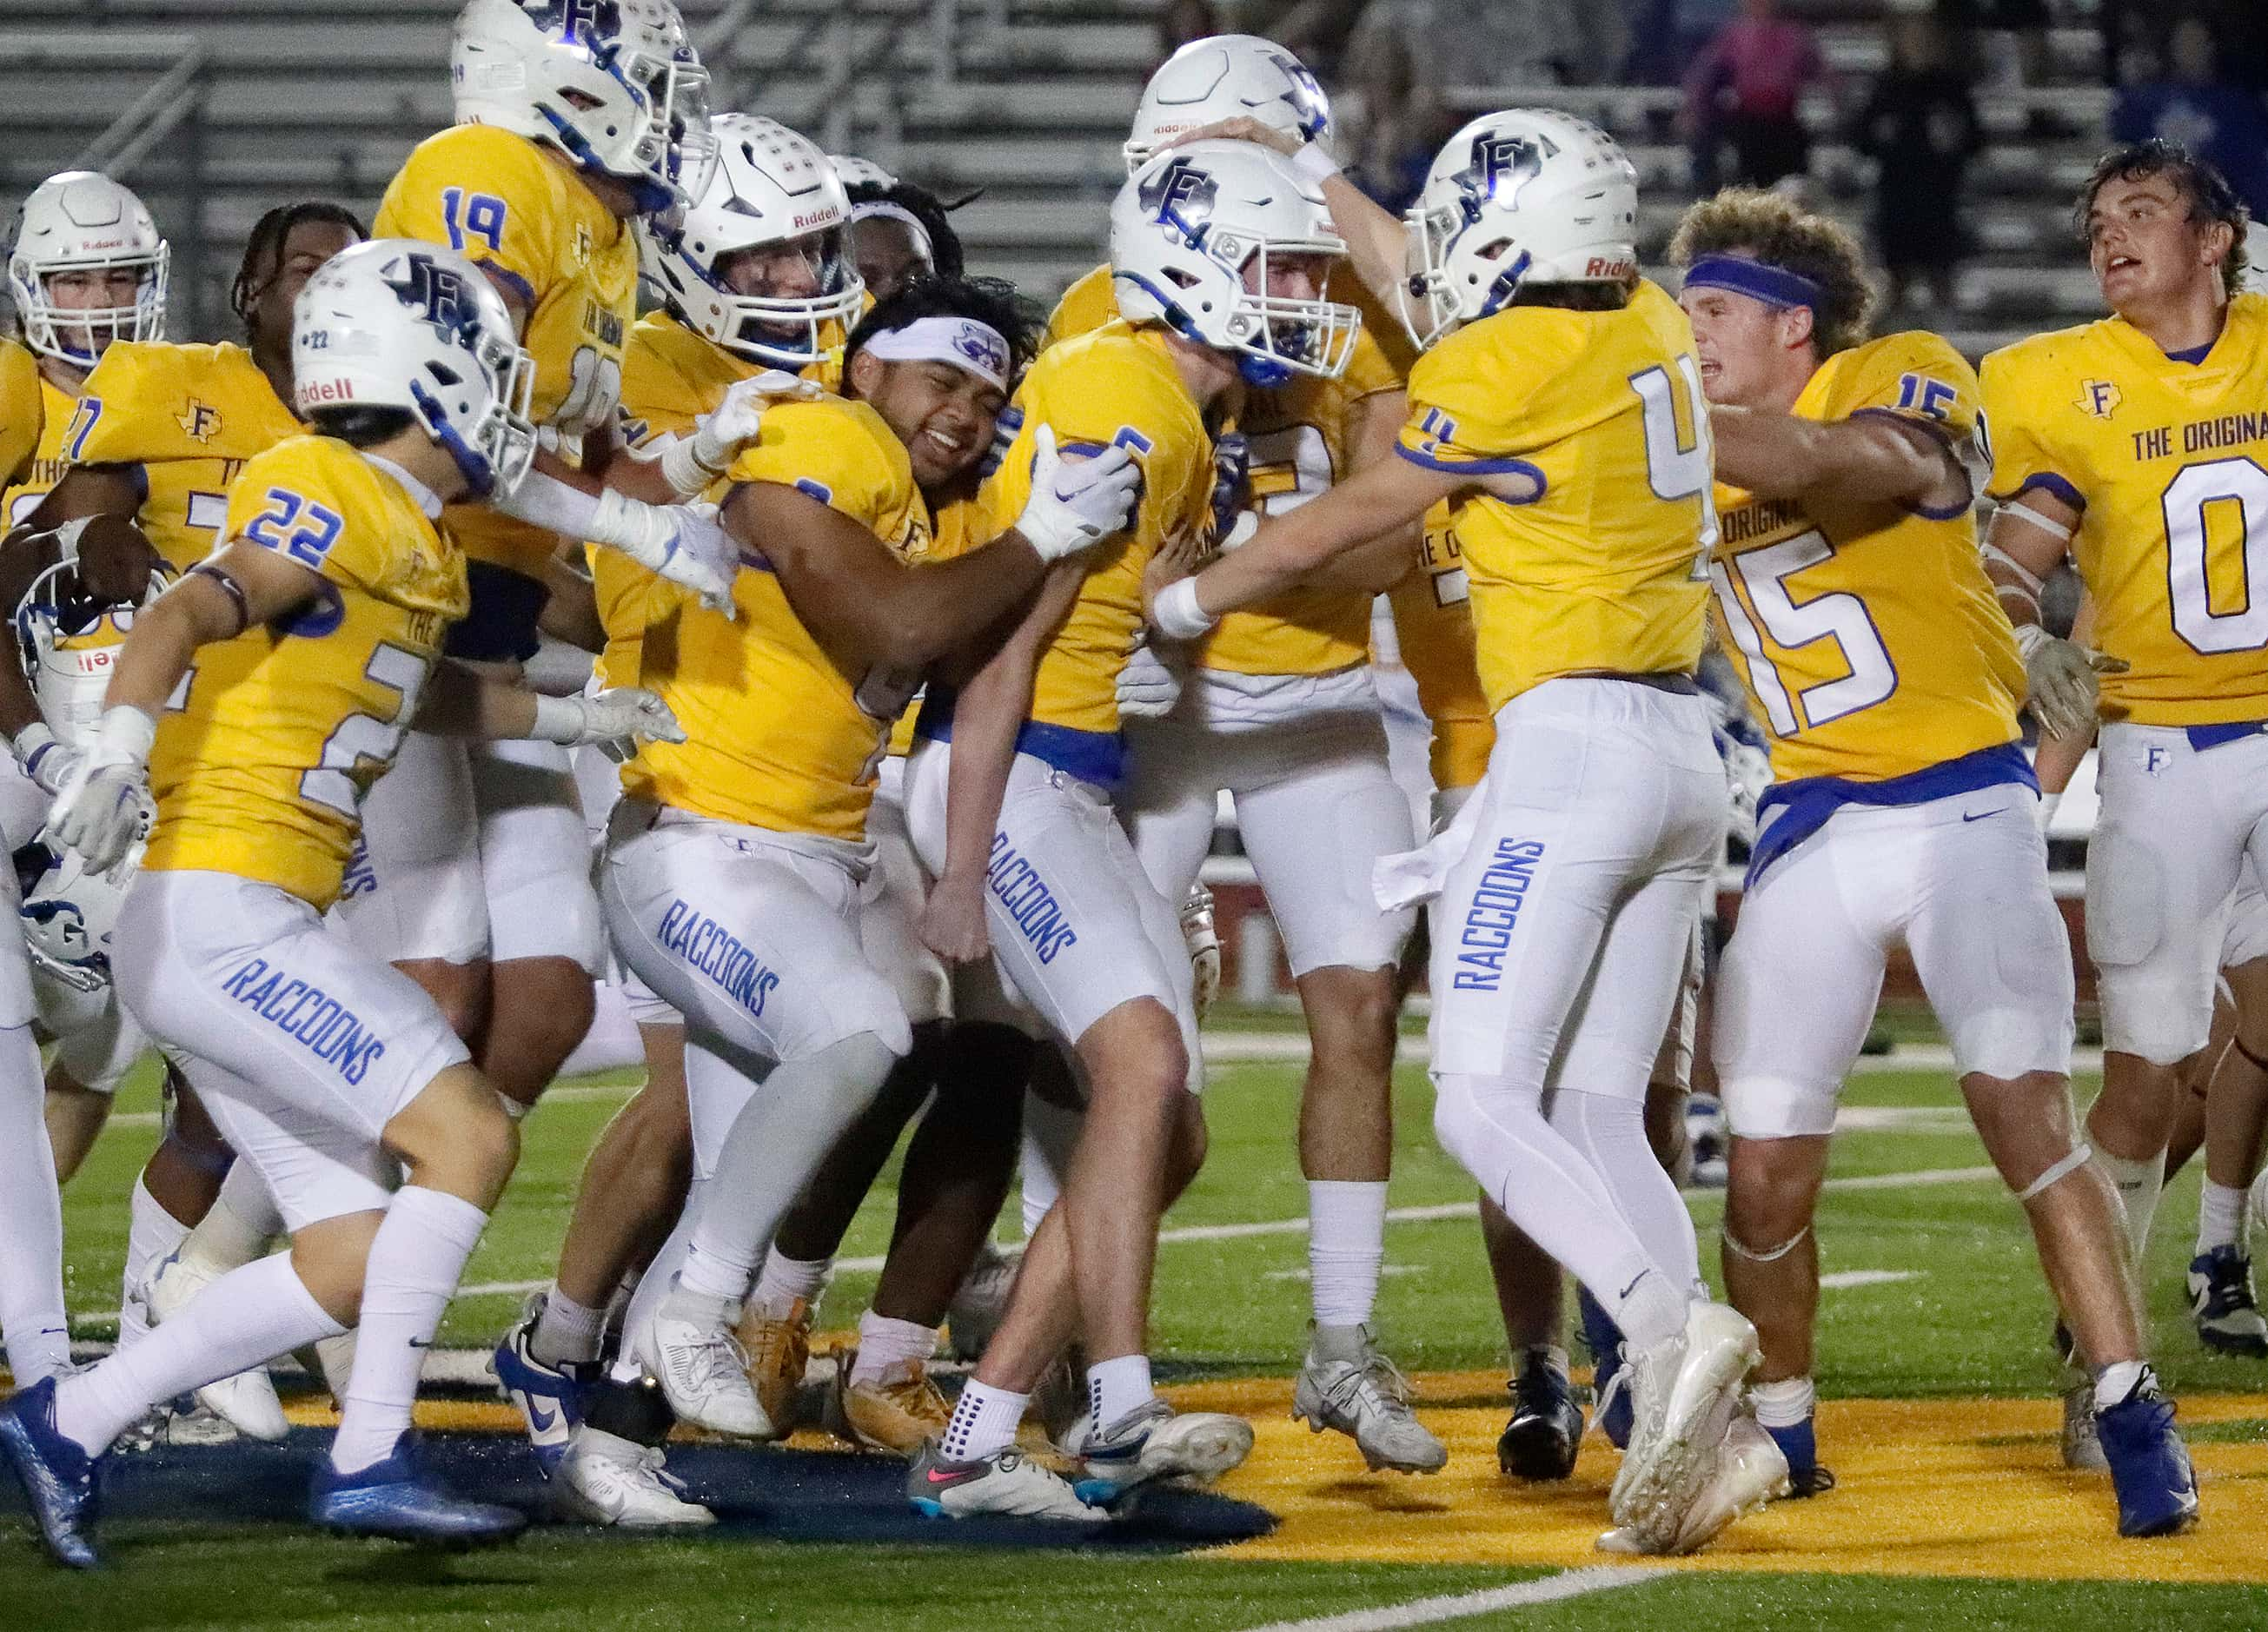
<point>683,468</point>
<point>1177,612</point>
<point>1312,163</point>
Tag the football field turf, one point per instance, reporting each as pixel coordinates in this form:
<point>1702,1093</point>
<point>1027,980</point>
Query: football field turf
<point>1939,1418</point>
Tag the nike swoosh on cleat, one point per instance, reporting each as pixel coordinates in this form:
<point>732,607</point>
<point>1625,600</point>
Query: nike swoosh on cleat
<point>938,1476</point>
<point>542,1420</point>
<point>1635,1279</point>
<point>421,1342</point>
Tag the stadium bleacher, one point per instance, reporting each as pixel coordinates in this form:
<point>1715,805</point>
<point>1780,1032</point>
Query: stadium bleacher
<point>1029,99</point>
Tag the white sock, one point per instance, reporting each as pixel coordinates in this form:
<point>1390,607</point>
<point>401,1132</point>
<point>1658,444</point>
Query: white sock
<point>885,1344</point>
<point>2220,1217</point>
<point>1117,1386</point>
<point>238,1226</point>
<point>1788,1403</point>
<point>1346,1244</point>
<point>31,1218</point>
<point>985,1419</point>
<point>1550,1190</point>
<point>777,1143</point>
<point>565,1332</point>
<point>786,1280</point>
<point>2138,1185</point>
<point>1610,1132</point>
<point>416,1260</point>
<point>2119,1380</point>
<point>243,1320</point>
<point>151,1234</point>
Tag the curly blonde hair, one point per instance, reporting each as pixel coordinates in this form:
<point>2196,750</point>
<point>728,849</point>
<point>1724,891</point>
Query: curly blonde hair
<point>1767,227</point>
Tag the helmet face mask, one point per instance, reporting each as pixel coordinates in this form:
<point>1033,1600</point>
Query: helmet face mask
<point>615,84</point>
<point>1226,77</point>
<point>1192,238</point>
<point>69,677</point>
<point>776,195</point>
<point>1526,195</point>
<point>399,323</point>
<point>83,222</point>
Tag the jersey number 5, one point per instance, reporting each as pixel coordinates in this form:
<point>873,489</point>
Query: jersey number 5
<point>364,739</point>
<point>2227,497</point>
<point>1840,617</point>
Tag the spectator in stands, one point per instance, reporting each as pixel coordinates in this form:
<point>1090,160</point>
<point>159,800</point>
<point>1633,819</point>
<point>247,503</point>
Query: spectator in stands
<point>2024,59</point>
<point>1919,126</point>
<point>1390,119</point>
<point>1667,35</point>
<point>1744,91</point>
<point>2188,101</point>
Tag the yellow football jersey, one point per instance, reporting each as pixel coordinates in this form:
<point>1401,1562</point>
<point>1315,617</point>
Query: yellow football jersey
<point>33,416</point>
<point>1604,409</point>
<point>1116,385</point>
<point>960,529</point>
<point>2168,460</point>
<point>503,204</point>
<point>781,732</point>
<point>1434,628</point>
<point>189,417</point>
<point>1298,434</point>
<point>266,752</point>
<point>1868,635</point>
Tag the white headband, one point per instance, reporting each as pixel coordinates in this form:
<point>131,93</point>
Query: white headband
<point>966,343</point>
<point>889,211</point>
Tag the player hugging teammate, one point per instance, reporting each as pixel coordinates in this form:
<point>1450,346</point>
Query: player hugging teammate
<point>925,649</point>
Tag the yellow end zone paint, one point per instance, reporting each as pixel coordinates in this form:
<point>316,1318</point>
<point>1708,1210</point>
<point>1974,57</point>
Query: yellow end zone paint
<point>1929,1487</point>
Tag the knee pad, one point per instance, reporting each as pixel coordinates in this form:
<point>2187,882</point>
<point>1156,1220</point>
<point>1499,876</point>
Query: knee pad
<point>1764,1254</point>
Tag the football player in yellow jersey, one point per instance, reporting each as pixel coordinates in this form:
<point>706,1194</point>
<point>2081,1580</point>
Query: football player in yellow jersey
<point>2123,443</point>
<point>1557,409</point>
<point>256,702</point>
<point>573,120</point>
<point>1220,255</point>
<point>87,268</point>
<point>1903,813</point>
<point>733,869</point>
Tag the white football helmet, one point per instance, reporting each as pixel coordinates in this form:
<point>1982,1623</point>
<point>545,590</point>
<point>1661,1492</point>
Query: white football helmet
<point>396,323</point>
<point>771,186</point>
<point>1190,226</point>
<point>1529,194</point>
<point>69,677</point>
<point>68,914</point>
<point>1225,76</point>
<point>82,221</point>
<point>853,171</point>
<point>615,84</point>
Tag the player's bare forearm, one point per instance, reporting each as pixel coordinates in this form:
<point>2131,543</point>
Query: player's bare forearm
<point>163,643</point>
<point>1374,426</point>
<point>849,588</point>
<point>460,701</point>
<point>2028,540</point>
<point>86,490</point>
<point>1871,458</point>
<point>571,611</point>
<point>1378,242</point>
<point>988,713</point>
<point>1290,549</point>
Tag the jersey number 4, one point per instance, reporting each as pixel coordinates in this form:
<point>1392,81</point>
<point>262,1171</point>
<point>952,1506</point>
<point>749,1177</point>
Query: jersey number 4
<point>1679,463</point>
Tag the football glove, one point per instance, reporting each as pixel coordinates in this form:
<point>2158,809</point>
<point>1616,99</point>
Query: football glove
<point>623,716</point>
<point>690,465</point>
<point>1073,506</point>
<point>47,760</point>
<point>2063,678</point>
<point>1150,684</point>
<point>103,805</point>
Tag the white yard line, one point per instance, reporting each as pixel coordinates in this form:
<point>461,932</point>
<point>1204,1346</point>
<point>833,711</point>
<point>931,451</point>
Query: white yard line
<point>1250,1048</point>
<point>1425,1612</point>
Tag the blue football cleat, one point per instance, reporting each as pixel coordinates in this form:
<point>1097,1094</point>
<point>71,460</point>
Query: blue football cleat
<point>2149,1465</point>
<point>1546,1430</point>
<point>1604,1339</point>
<point>1800,1446</point>
<point>396,1499</point>
<point>550,1399</point>
<point>58,1476</point>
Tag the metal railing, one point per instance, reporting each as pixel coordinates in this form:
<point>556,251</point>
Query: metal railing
<point>168,111</point>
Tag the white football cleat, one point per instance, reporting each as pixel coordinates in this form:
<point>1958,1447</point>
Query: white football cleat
<point>703,1372</point>
<point>606,1480</point>
<point>1751,1471</point>
<point>1155,1441</point>
<point>1006,1484</point>
<point>974,1314</point>
<point>246,1401</point>
<point>2082,1446</point>
<point>1367,1398</point>
<point>1683,1392</point>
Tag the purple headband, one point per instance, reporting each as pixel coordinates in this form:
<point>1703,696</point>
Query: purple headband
<point>1775,286</point>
